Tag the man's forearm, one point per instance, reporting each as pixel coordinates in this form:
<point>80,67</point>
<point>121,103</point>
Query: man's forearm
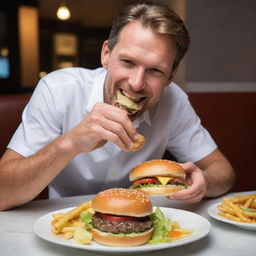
<point>24,178</point>
<point>219,177</point>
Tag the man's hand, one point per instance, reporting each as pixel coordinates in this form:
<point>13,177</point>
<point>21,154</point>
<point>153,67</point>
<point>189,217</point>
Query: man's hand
<point>209,177</point>
<point>197,185</point>
<point>104,123</point>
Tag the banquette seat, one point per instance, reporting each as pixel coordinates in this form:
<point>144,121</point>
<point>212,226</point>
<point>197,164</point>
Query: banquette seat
<point>11,107</point>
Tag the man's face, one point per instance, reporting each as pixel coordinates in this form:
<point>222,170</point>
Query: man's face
<point>139,66</point>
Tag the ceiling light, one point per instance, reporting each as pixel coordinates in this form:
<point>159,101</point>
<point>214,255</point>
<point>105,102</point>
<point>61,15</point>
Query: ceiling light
<point>63,13</point>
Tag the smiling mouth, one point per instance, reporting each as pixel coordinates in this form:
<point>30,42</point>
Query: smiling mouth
<point>130,103</point>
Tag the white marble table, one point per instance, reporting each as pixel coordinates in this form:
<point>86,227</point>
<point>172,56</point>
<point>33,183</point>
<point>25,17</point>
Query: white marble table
<point>17,236</point>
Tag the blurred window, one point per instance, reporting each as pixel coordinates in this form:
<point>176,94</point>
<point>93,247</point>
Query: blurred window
<point>4,51</point>
<point>4,67</point>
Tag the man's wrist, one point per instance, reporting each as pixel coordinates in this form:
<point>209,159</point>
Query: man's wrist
<point>66,146</point>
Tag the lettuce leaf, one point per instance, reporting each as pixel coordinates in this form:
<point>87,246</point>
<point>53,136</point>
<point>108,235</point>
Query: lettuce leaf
<point>150,185</point>
<point>86,217</point>
<point>146,185</point>
<point>161,225</point>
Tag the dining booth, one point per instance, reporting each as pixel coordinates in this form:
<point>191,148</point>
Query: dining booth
<point>229,117</point>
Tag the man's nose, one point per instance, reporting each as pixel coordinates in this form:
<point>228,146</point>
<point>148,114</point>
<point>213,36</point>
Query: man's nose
<point>137,79</point>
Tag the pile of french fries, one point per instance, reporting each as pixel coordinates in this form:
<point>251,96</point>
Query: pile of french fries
<point>240,208</point>
<point>69,225</point>
<point>178,232</point>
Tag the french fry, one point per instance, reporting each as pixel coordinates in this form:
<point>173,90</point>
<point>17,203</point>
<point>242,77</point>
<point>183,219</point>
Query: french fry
<point>175,225</point>
<point>184,230</point>
<point>58,216</point>
<point>239,208</point>
<point>251,214</point>
<point>240,213</point>
<point>248,202</point>
<point>229,216</point>
<point>70,215</point>
<point>226,208</point>
<point>68,229</point>
<point>68,235</point>
<point>78,223</point>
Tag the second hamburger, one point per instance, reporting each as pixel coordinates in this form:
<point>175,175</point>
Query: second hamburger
<point>158,177</point>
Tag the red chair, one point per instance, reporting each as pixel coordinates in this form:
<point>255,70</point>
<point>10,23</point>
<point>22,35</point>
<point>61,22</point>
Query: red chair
<point>11,107</point>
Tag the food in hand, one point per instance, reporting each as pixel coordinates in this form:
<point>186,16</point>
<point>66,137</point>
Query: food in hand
<point>158,177</point>
<point>138,143</point>
<point>131,107</point>
<point>126,103</point>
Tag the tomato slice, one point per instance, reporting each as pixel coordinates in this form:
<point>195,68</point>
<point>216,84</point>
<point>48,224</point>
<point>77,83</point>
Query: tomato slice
<point>143,181</point>
<point>116,218</point>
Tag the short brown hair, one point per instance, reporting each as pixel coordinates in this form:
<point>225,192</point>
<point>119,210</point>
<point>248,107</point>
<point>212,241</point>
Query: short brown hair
<point>158,17</point>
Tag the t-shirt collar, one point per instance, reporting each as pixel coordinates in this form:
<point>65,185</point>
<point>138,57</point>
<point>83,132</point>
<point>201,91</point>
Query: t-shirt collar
<point>97,96</point>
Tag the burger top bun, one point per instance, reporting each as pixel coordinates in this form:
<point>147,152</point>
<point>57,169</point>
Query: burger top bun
<point>120,201</point>
<point>157,168</point>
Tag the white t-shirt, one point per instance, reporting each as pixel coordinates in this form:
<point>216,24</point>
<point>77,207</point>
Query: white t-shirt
<point>62,99</point>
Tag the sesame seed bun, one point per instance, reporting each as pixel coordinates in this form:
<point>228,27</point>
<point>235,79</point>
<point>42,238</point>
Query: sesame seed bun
<point>112,240</point>
<point>157,168</point>
<point>120,201</point>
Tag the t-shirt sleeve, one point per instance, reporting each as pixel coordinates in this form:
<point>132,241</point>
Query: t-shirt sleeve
<point>40,122</point>
<point>189,140</point>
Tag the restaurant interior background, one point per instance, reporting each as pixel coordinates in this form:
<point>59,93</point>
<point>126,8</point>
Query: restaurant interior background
<point>218,73</point>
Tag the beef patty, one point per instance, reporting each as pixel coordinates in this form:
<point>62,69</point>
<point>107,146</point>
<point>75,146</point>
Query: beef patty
<point>126,227</point>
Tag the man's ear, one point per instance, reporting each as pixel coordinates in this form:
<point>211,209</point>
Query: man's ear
<point>172,75</point>
<point>105,54</point>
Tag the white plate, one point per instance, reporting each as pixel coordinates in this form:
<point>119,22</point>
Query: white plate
<point>200,225</point>
<point>213,212</point>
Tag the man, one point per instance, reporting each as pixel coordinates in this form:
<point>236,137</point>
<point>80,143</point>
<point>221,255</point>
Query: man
<point>74,136</point>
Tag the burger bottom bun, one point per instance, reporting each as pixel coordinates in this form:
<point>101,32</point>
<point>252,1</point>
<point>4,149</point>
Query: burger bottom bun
<point>138,143</point>
<point>161,191</point>
<point>112,240</point>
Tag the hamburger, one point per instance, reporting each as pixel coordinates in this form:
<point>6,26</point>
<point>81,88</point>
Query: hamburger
<point>124,102</point>
<point>121,217</point>
<point>158,177</point>
<point>131,107</point>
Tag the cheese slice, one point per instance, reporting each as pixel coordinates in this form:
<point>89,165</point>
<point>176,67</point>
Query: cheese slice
<point>164,180</point>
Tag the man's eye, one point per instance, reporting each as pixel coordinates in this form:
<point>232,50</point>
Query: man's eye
<point>127,62</point>
<point>156,72</point>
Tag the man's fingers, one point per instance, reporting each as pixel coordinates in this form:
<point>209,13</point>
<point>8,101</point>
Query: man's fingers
<point>186,193</point>
<point>105,123</point>
<point>116,134</point>
<point>117,115</point>
<point>190,197</point>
